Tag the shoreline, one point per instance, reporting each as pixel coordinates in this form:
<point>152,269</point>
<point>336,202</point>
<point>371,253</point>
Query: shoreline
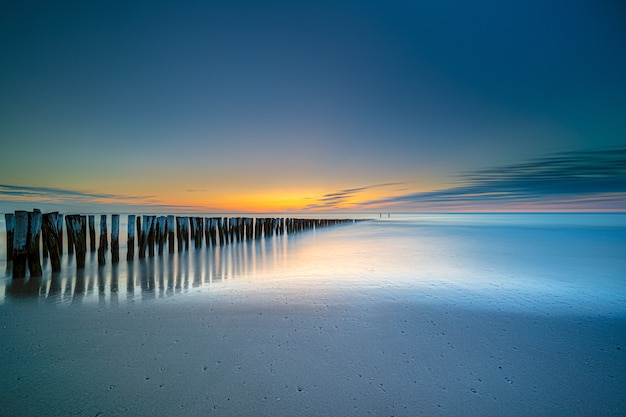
<point>349,352</point>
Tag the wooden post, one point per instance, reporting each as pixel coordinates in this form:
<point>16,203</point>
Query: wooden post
<point>70,236</point>
<point>75,229</point>
<point>214,226</point>
<point>179,233</point>
<point>161,233</point>
<point>115,238</point>
<point>192,228</point>
<point>51,234</point>
<point>130,253</point>
<point>207,231</point>
<point>186,232</point>
<point>9,219</point>
<point>34,233</point>
<point>218,229</point>
<point>92,233</point>
<point>20,251</point>
<point>232,229</point>
<point>197,233</point>
<point>151,233</point>
<point>170,233</point>
<point>60,231</point>
<point>104,242</point>
<point>139,229</point>
<point>44,242</point>
<point>249,228</point>
<point>143,237</point>
<point>258,228</point>
<point>223,226</point>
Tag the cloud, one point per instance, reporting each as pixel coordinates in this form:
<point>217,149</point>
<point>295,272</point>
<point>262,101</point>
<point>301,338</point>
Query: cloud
<point>583,178</point>
<point>336,199</point>
<point>60,194</point>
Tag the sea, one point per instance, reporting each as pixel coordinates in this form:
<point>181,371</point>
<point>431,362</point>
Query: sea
<point>544,263</point>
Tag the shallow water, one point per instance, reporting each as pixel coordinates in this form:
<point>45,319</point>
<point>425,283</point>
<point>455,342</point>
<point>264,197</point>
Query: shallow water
<point>524,262</point>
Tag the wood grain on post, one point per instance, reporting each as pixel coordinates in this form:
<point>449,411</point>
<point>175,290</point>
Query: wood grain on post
<point>258,229</point>
<point>51,235</point>
<point>70,236</point>
<point>104,242</point>
<point>44,242</point>
<point>115,238</point>
<point>130,246</point>
<point>92,234</point>
<point>170,233</point>
<point>223,229</point>
<point>34,233</point>
<point>143,237</point>
<point>161,233</point>
<point>9,221</point>
<point>20,250</point>
<point>199,231</point>
<point>179,233</point>
<point>60,231</point>
<point>75,229</point>
<point>151,235</point>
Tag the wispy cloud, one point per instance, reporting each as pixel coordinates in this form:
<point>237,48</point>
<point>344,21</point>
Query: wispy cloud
<point>339,198</point>
<point>581,179</point>
<point>60,194</point>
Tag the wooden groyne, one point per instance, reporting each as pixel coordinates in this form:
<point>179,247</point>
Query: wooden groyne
<point>26,232</point>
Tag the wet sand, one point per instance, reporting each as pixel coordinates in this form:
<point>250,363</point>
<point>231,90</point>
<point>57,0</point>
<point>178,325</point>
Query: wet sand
<point>319,351</point>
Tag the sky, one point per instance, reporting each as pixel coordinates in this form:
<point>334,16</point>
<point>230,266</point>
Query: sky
<point>259,106</point>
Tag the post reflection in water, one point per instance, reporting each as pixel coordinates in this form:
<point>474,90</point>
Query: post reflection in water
<point>155,277</point>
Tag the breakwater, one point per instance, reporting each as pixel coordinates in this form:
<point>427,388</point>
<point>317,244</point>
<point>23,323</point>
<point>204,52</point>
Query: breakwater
<point>33,235</point>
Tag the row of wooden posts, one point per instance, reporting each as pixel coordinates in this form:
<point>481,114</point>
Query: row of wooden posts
<point>25,230</point>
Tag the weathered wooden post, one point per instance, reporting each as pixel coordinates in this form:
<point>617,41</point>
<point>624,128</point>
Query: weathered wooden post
<point>223,229</point>
<point>70,236</point>
<point>197,225</point>
<point>115,238</point>
<point>20,250</point>
<point>161,233</point>
<point>186,232</point>
<point>60,230</point>
<point>75,228</point>
<point>179,232</point>
<point>51,234</point>
<point>151,233</point>
<point>269,227</point>
<point>9,219</point>
<point>232,229</point>
<point>92,233</point>
<point>139,229</point>
<point>104,242</point>
<point>239,228</point>
<point>258,228</point>
<point>143,237</point>
<point>248,233</point>
<point>192,229</point>
<point>207,231</point>
<point>130,247</point>
<point>214,227</point>
<point>44,242</point>
<point>34,232</point>
<point>170,233</point>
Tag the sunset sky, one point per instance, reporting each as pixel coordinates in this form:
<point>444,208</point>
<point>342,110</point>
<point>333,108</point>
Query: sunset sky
<point>253,106</point>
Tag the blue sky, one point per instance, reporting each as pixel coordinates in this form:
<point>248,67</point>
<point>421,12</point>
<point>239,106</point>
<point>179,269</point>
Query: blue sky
<point>278,105</point>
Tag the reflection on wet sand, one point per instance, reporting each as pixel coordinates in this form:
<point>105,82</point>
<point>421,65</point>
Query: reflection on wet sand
<point>152,277</point>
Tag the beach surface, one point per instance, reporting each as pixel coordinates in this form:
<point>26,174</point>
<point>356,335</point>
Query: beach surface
<point>331,331</point>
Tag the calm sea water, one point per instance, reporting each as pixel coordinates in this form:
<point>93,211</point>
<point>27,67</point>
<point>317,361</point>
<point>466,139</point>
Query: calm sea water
<point>528,262</point>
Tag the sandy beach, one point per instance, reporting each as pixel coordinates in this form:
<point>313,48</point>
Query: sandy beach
<point>317,353</point>
<point>457,321</point>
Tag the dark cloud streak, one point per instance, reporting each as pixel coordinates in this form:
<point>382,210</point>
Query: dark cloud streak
<point>565,178</point>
